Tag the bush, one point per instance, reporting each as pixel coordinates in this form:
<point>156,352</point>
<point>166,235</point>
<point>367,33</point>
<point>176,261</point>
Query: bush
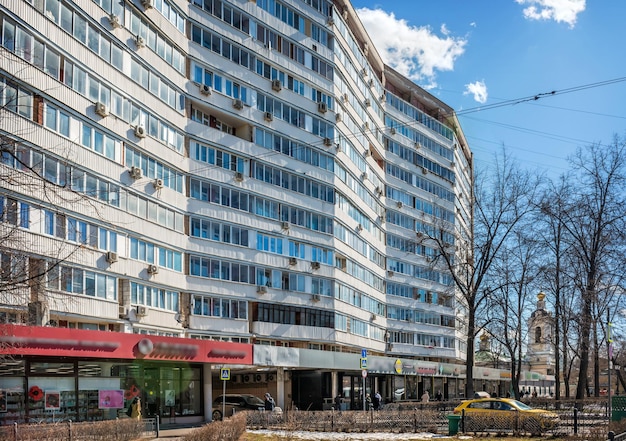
<point>230,429</point>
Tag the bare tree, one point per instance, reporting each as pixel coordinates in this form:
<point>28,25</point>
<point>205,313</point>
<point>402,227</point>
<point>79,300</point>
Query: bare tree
<point>509,302</point>
<point>503,195</point>
<point>593,217</point>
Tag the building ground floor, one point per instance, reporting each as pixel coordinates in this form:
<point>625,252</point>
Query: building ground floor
<point>60,374</point>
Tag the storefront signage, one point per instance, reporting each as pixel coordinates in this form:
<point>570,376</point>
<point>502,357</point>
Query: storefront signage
<point>66,342</point>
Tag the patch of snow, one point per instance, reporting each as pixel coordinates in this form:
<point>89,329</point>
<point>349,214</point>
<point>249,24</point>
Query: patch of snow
<point>336,436</point>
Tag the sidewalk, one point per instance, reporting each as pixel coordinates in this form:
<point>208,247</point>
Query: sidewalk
<point>173,433</point>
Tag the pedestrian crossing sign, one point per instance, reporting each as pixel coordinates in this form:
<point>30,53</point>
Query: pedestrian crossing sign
<point>225,374</point>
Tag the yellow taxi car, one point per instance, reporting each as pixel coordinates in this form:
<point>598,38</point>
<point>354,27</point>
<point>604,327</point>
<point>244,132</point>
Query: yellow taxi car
<point>504,414</point>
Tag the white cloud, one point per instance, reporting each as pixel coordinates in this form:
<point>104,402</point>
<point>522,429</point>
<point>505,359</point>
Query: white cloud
<point>478,89</point>
<point>415,52</point>
<point>558,10</point>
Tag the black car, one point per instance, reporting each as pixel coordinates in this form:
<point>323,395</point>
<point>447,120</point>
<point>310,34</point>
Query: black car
<point>236,403</point>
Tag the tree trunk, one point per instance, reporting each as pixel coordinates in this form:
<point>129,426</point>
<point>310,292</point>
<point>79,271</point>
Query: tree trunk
<point>585,331</point>
<point>469,362</point>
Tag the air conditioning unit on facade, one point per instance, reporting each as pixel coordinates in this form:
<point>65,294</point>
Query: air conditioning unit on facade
<point>147,4</point>
<point>322,107</point>
<point>328,142</point>
<point>122,311</point>
<point>367,103</point>
<point>338,117</point>
<point>238,176</point>
<point>153,269</point>
<point>102,109</point>
<point>392,130</point>
<point>293,261</point>
<point>316,297</point>
<point>205,89</point>
<point>135,173</point>
<point>330,21</point>
<point>111,257</point>
<point>315,265</point>
<point>284,225</point>
<point>277,86</point>
<point>114,21</point>
<point>140,41</point>
<point>261,289</point>
<point>142,311</point>
<point>373,317</point>
<point>157,184</point>
<point>390,273</point>
<point>140,131</point>
<point>399,204</point>
<point>424,171</point>
<point>268,116</point>
<point>238,104</point>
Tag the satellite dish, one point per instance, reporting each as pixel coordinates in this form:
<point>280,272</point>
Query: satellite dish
<point>178,317</point>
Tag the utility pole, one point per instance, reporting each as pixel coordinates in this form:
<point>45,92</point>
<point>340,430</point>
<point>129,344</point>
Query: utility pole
<point>609,349</point>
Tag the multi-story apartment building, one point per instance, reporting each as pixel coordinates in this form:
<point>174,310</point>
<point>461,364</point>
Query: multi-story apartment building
<point>189,186</point>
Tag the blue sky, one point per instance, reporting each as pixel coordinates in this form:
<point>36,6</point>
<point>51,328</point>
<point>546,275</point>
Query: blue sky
<point>481,53</point>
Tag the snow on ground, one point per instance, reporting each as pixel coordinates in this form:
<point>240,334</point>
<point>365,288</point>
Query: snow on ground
<point>335,436</point>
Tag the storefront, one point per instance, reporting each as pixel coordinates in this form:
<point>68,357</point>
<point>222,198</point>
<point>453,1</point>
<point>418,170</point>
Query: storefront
<point>57,374</point>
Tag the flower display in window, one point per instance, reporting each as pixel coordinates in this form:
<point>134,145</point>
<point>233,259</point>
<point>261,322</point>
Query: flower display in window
<point>35,393</point>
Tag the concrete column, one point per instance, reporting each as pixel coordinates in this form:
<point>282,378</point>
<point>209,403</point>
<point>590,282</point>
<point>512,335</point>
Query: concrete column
<point>208,391</point>
<point>280,387</point>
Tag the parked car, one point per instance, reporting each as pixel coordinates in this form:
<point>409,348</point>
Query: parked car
<point>235,403</point>
<point>493,414</point>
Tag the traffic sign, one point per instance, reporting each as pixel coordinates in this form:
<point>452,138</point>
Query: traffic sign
<point>363,353</point>
<point>363,363</point>
<point>364,373</point>
<point>225,374</point>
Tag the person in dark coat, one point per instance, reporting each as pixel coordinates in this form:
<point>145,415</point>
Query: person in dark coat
<point>269,402</point>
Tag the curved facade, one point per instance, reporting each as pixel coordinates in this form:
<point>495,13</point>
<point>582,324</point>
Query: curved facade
<point>241,171</point>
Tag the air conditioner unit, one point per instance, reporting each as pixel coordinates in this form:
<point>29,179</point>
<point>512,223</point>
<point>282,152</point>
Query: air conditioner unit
<point>392,131</point>
<point>364,71</point>
<point>371,82</point>
<point>114,21</point>
<point>315,265</point>
<point>345,97</point>
<point>111,257</point>
<point>399,204</point>
<point>158,184</point>
<point>330,21</point>
<point>390,273</point>
<point>328,142</point>
<point>238,176</point>
<point>268,116</point>
<point>146,4</point>
<point>418,145</point>
<point>258,378</point>
<point>338,117</point>
<point>277,85</point>
<point>293,261</point>
<point>140,41</point>
<point>364,175</point>
<point>367,102</point>
<point>379,191</point>
<point>322,107</point>
<point>153,269</point>
<point>261,289</point>
<point>269,378</point>
<point>359,228</point>
<point>205,89</point>
<point>284,225</point>
<point>316,297</point>
<point>141,311</point>
<point>246,378</point>
<point>102,109</point>
<point>135,172</point>
<point>238,104</point>
<point>122,311</point>
<point>140,131</point>
<point>373,317</point>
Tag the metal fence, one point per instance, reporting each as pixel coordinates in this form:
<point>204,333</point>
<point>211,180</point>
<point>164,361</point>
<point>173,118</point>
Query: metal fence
<point>587,417</point>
